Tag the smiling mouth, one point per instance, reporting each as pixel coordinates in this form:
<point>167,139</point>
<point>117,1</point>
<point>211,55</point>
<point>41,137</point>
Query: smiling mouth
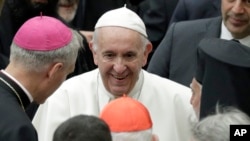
<point>237,20</point>
<point>119,77</point>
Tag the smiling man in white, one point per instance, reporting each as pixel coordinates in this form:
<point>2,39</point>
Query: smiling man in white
<point>120,48</point>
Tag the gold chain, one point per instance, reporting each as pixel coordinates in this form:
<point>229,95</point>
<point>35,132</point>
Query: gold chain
<point>18,96</point>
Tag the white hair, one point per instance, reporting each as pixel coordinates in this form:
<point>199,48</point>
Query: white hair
<point>144,135</point>
<point>217,127</point>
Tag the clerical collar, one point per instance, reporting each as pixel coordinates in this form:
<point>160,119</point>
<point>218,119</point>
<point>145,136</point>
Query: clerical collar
<point>104,96</point>
<point>19,84</point>
<point>225,34</point>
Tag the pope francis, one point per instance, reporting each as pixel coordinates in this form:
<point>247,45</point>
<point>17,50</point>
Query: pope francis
<point>120,49</point>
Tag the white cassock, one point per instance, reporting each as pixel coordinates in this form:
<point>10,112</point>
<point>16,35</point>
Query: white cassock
<point>167,102</point>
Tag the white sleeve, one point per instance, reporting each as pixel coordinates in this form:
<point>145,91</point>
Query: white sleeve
<point>183,113</point>
<point>50,114</point>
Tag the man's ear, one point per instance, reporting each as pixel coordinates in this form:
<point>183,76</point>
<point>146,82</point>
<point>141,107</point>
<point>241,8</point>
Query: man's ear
<point>91,46</point>
<point>148,50</point>
<point>54,69</point>
<point>155,137</point>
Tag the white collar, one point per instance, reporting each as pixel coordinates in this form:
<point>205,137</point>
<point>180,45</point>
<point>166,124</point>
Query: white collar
<point>19,84</point>
<point>225,34</point>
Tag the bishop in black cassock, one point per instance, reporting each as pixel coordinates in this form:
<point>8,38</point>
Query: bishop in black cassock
<point>13,102</point>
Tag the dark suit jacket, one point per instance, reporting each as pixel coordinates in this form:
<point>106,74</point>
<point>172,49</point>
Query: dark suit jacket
<point>175,57</point>
<point>196,9</point>
<point>156,17</point>
<point>15,125</point>
<point>224,72</point>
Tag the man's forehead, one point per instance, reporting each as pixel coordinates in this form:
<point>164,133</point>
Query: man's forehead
<point>119,33</point>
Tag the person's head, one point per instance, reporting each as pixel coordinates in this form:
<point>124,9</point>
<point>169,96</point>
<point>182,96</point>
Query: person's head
<point>83,128</point>
<point>43,50</point>
<point>196,96</point>
<point>236,17</point>
<point>66,9</point>
<point>120,48</point>
<point>128,120</point>
<point>216,127</point>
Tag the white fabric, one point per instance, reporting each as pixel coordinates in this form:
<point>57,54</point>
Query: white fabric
<point>167,102</point>
<point>119,17</point>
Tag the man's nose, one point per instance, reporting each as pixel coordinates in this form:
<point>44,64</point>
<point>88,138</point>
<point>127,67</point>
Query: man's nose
<point>238,6</point>
<point>119,65</point>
